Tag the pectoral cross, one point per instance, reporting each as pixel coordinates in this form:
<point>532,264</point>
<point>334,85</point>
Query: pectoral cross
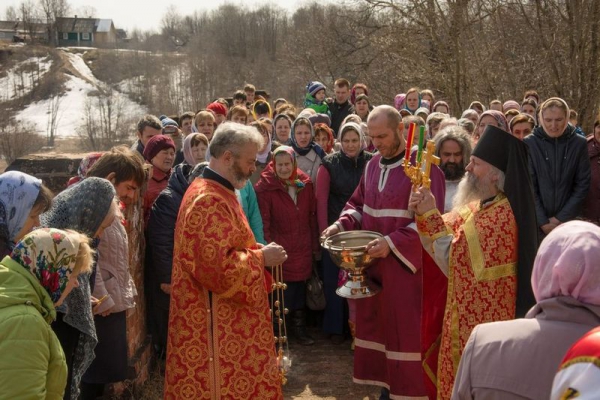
<point>430,159</point>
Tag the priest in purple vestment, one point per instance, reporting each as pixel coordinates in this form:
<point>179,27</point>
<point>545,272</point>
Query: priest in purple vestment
<point>389,350</point>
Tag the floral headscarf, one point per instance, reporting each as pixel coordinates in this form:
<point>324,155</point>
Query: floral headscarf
<point>498,116</point>
<point>293,179</point>
<point>18,192</point>
<point>399,101</point>
<point>50,255</point>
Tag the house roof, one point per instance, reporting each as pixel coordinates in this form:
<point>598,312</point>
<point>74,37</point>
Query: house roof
<point>83,25</point>
<point>18,26</point>
<point>103,25</point>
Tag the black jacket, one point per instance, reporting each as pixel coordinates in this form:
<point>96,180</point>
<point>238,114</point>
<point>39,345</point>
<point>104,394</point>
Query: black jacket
<point>345,174</point>
<point>161,224</point>
<point>560,173</point>
<point>338,113</point>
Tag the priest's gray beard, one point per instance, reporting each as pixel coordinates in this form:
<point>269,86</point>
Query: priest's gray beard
<point>471,188</point>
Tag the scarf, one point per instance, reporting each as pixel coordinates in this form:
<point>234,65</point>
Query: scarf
<point>567,264</point>
<point>302,151</point>
<point>187,148</point>
<point>498,116</point>
<point>418,105</point>
<point>82,208</point>
<point>293,180</point>
<point>263,156</point>
<point>50,255</point>
<point>352,126</point>
<point>543,108</point>
<point>18,192</point>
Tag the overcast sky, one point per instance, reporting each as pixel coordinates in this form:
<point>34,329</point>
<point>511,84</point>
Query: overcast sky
<point>146,14</point>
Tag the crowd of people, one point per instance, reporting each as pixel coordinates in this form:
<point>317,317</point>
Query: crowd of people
<point>487,273</point>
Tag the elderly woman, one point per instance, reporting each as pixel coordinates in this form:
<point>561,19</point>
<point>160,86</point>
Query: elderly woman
<point>338,176</point>
<point>160,153</point>
<point>287,204</point>
<point>88,207</point>
<point>308,154</point>
<point>36,277</point>
<point>22,199</point>
<point>499,357</point>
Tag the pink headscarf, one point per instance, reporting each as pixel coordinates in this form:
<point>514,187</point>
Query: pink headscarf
<point>399,101</point>
<point>567,264</point>
<point>510,105</point>
<point>498,116</point>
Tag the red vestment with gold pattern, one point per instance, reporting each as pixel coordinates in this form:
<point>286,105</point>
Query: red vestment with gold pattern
<point>482,283</point>
<point>220,343</point>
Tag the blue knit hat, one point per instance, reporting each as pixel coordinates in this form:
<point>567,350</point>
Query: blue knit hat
<point>314,87</point>
<point>166,121</point>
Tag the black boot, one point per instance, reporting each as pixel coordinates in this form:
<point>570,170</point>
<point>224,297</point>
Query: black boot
<point>299,329</point>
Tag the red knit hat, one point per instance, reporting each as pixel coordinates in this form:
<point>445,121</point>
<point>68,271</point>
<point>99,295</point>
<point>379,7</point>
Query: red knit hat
<point>156,144</point>
<point>217,108</point>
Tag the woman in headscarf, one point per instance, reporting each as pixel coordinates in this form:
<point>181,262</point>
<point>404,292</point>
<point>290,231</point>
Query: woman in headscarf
<point>283,126</point>
<point>399,101</point>
<point>338,176</point>
<point>194,149</point>
<point>489,117</point>
<point>308,153</point>
<point>36,277</point>
<point>22,199</point>
<point>413,100</point>
<point>287,204</point>
<point>441,106</point>
<point>324,137</point>
<point>88,207</point>
<point>85,164</point>
<point>559,165</point>
<point>566,285</point>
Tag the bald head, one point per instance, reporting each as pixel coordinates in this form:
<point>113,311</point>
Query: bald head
<point>388,113</point>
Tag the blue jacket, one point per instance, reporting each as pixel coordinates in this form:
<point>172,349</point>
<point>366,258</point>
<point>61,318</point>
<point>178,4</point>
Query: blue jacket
<point>247,198</point>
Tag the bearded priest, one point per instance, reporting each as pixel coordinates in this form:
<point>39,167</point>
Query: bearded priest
<point>486,245</point>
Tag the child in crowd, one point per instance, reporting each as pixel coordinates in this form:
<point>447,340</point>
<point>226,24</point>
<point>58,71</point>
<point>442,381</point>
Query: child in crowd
<point>315,98</point>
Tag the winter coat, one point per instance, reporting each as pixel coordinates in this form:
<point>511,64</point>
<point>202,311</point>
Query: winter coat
<point>560,173</point>
<point>161,224</point>
<point>499,357</point>
<point>157,182</point>
<point>320,107</point>
<point>293,226</point>
<point>591,206</point>
<point>33,364</point>
<point>112,271</point>
<point>338,113</point>
<point>345,174</point>
<point>309,164</point>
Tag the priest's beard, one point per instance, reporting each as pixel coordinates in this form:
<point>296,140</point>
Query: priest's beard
<point>453,171</point>
<point>238,175</point>
<point>471,188</point>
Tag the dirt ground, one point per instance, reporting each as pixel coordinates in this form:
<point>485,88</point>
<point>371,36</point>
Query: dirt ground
<point>322,371</point>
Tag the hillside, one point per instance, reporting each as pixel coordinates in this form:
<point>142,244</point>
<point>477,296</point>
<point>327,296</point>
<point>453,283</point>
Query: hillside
<point>53,90</point>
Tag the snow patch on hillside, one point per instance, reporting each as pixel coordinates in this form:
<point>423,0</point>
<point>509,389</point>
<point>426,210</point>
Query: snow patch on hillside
<point>23,77</point>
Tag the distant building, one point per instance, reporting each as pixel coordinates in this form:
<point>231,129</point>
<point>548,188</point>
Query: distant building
<point>17,31</point>
<point>92,32</point>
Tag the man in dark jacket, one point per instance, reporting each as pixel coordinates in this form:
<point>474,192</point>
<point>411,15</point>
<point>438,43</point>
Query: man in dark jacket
<point>160,236</point>
<point>559,166</point>
<point>147,127</point>
<point>340,107</point>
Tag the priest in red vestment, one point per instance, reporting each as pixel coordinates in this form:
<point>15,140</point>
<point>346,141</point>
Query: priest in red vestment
<point>486,245</point>
<point>389,347</point>
<point>220,343</point>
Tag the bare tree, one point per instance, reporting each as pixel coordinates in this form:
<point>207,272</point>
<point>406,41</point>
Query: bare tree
<point>17,140</point>
<point>51,10</point>
<point>106,122</point>
<point>53,119</point>
<point>11,13</point>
